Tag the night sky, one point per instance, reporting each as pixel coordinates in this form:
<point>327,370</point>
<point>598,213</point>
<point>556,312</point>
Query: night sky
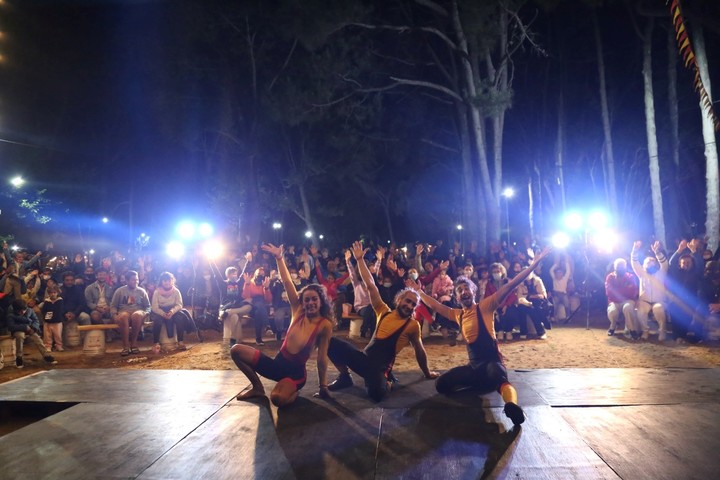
<point>86,113</point>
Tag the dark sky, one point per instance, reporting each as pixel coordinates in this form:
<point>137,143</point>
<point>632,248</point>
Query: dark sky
<point>76,91</point>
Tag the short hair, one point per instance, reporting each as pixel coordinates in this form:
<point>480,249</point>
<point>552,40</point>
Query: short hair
<point>463,279</point>
<point>19,304</point>
<point>618,262</point>
<point>68,273</point>
<point>230,270</point>
<point>101,270</point>
<point>402,293</point>
<point>52,289</point>
<point>130,273</point>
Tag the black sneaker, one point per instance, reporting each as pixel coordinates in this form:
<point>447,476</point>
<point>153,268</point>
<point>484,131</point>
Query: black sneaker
<point>49,359</point>
<point>19,362</point>
<point>259,343</point>
<point>344,380</point>
<point>514,412</point>
<point>611,332</point>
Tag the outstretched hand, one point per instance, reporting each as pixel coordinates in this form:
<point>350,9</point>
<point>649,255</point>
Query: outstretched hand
<point>412,284</point>
<point>276,252</point>
<point>637,245</point>
<point>546,251</point>
<point>656,247</point>
<point>358,251</point>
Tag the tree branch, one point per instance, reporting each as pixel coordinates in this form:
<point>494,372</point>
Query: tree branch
<point>285,64</point>
<point>439,9</point>
<point>406,29</point>
<point>431,85</point>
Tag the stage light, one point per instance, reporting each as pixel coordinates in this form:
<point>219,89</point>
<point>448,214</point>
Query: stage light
<point>509,192</point>
<point>277,226</point>
<point>175,249</point>
<point>459,227</point>
<point>574,221</point>
<point>142,235</point>
<point>605,241</point>
<point>15,248</point>
<point>213,249</point>
<point>560,240</point>
<point>186,230</point>
<point>597,220</point>
<point>205,229</point>
<point>308,234</point>
<point>105,219</point>
<point>17,181</point>
<point>91,252</point>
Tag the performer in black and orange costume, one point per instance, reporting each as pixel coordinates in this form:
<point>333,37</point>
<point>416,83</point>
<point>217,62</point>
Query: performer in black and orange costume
<point>486,371</point>
<point>395,330</point>
<point>310,327</point>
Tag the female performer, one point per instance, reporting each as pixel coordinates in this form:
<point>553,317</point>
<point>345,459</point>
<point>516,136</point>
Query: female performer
<point>311,326</point>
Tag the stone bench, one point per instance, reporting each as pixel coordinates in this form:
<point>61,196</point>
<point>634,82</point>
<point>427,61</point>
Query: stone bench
<point>94,343</point>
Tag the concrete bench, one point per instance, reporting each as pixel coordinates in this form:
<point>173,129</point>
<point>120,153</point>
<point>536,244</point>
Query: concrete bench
<point>94,343</point>
<point>7,346</point>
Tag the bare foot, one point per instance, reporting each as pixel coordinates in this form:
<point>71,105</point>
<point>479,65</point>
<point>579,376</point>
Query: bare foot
<point>253,392</point>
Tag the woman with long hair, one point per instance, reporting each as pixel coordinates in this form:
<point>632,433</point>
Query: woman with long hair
<point>311,326</point>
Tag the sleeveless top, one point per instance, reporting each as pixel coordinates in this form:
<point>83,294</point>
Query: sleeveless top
<point>484,348</point>
<point>382,351</point>
<point>301,357</point>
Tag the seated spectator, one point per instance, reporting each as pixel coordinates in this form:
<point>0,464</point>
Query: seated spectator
<point>684,277</point>
<point>280,306</point>
<point>73,300</point>
<point>128,306</point>
<point>165,310</point>
<point>652,275</point>
<point>442,291</point>
<point>708,317</point>
<point>361,300</point>
<point>52,316</point>
<point>257,292</point>
<point>621,291</point>
<point>508,313</point>
<point>532,301</point>
<point>11,286</point>
<point>98,297</point>
<point>24,324</point>
<point>233,306</point>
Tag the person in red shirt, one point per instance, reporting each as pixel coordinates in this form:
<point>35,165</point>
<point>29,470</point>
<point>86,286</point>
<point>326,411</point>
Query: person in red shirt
<point>256,290</point>
<point>621,289</point>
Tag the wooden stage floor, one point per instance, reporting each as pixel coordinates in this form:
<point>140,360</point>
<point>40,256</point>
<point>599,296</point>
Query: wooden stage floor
<point>175,424</point>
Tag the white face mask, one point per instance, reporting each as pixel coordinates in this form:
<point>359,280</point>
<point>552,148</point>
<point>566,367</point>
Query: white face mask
<point>387,284</point>
<point>206,277</point>
<point>414,275</point>
<point>497,276</point>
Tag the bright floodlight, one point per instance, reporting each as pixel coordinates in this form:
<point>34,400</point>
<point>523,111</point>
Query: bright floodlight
<point>308,234</point>
<point>508,192</point>
<point>574,221</point>
<point>17,182</point>
<point>560,240</point>
<point>606,240</point>
<point>459,227</point>
<point>213,249</point>
<point>175,250</point>
<point>105,220</point>
<point>321,236</point>
<point>14,248</point>
<point>91,252</point>
<point>277,226</point>
<point>186,230</point>
<point>597,220</point>
<point>205,229</point>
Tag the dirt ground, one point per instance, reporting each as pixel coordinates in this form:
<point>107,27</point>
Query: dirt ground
<point>568,346</point>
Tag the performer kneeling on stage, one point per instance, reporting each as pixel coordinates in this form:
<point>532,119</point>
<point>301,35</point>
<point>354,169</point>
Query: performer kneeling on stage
<point>310,327</point>
<point>486,371</point>
<point>395,330</point>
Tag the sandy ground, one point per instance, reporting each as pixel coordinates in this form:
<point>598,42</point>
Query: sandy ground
<point>571,346</point>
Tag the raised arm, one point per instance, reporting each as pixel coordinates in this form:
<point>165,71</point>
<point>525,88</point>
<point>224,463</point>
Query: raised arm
<point>433,304</point>
<point>277,252</point>
<point>506,289</point>
<point>375,299</point>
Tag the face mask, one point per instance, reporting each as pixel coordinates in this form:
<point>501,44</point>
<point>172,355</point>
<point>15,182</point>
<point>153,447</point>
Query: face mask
<point>46,277</point>
<point>387,284</point>
<point>206,277</point>
<point>414,275</point>
<point>497,276</point>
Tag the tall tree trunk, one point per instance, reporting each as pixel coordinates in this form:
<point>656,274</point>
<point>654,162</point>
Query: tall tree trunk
<point>609,155</point>
<point>712,219</point>
<point>531,207</point>
<point>672,97</point>
<point>655,186</point>
<point>560,150</point>
<point>473,216</point>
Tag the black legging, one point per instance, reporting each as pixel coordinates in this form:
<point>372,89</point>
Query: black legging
<point>484,377</point>
<point>177,320</point>
<point>341,352</point>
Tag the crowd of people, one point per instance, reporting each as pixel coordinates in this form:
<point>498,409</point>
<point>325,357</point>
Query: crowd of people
<point>301,293</point>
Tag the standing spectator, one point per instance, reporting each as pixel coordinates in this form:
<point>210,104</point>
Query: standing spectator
<point>532,301</point>
<point>361,303</point>
<point>652,275</point>
<point>561,274</point>
<point>709,313</point>
<point>23,323</point>
<point>507,313</point>
<point>52,315</point>
<point>281,306</point>
<point>256,291</point>
<point>129,306</point>
<point>621,291</point>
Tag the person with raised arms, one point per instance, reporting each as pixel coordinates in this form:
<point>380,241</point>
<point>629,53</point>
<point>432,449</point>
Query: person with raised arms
<point>486,370</point>
<point>395,330</point>
<point>311,327</point>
